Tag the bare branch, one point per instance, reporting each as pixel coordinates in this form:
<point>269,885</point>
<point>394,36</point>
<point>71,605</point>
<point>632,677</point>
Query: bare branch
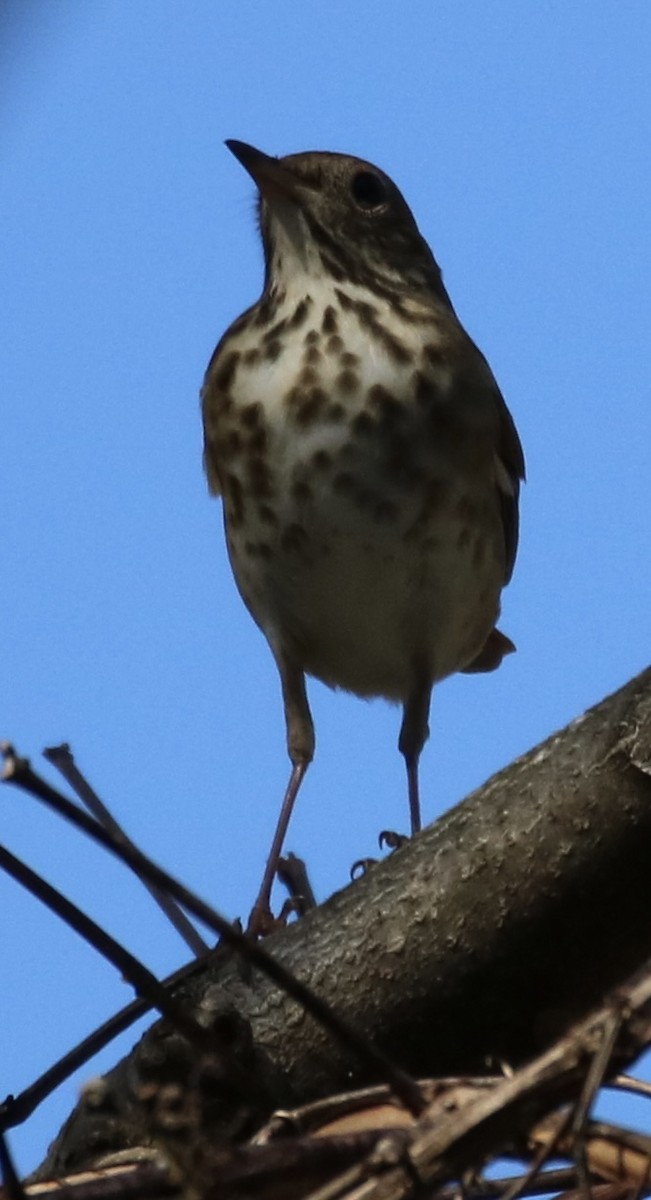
<point>62,758</point>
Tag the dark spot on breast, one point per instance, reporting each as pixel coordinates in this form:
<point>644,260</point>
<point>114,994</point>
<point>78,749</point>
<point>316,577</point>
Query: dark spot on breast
<point>227,445</point>
<point>307,377</point>
<point>225,374</point>
<point>329,322</point>
<point>257,549</point>
<point>312,355</point>
<point>406,313</point>
<point>260,478</point>
<point>344,300</point>
<point>267,514</point>
<point>396,349</point>
<point>423,388</point>
<point>242,322</point>
<point>321,460</point>
<point>301,490</point>
<point>312,337</point>
<point>267,308</point>
<point>258,441</point>
<point>385,404</point>
<point>335,412</point>
<point>235,496</point>
<point>310,406</point>
<point>250,415</point>
<point>300,313</point>
<point>434,353</point>
<point>334,344</point>
<point>272,350</point>
<point>223,406</point>
<point>251,357</point>
<point>347,382</point>
<point>233,443</point>
<point>349,360</point>
<point>275,330</point>
<point>293,539</point>
<point>366,313</point>
<point>293,396</point>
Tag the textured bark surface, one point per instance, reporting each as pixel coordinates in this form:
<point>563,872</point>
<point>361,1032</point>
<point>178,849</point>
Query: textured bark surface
<point>480,940</point>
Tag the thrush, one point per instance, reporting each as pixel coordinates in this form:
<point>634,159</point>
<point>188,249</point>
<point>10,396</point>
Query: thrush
<point>368,464</point>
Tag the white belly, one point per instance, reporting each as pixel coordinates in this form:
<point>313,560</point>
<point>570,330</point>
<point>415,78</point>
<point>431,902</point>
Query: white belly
<point>365,557</point>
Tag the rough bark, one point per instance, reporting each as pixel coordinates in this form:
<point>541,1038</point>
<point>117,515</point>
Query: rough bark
<point>479,941</point>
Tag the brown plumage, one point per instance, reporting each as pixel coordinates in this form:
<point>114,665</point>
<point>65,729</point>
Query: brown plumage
<point>368,464</point>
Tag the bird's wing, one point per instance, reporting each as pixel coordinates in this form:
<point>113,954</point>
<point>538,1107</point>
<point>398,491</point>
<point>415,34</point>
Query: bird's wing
<point>510,471</point>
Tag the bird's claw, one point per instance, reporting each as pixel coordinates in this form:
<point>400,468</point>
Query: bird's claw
<point>388,839</point>
<point>262,922</point>
<point>360,867</point>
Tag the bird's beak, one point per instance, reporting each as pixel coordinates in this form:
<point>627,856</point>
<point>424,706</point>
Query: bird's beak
<point>274,181</point>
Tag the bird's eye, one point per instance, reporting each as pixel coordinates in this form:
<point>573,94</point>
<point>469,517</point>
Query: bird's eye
<point>368,190</point>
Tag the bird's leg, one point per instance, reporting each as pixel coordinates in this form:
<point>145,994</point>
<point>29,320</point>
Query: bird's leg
<point>300,746</point>
<point>261,920</point>
<point>414,733</point>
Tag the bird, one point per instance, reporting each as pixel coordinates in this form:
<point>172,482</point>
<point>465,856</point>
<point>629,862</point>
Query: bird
<point>368,464</point>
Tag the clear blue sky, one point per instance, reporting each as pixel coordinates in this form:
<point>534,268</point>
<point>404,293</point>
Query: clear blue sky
<point>520,135</point>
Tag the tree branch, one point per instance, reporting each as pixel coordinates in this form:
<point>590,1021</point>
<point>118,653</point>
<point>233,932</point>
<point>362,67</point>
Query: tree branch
<point>479,941</point>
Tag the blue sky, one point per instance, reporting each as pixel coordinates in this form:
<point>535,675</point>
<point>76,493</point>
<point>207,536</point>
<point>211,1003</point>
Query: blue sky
<point>519,134</point>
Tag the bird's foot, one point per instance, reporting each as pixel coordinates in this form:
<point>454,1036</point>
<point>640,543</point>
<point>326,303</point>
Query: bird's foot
<point>262,923</point>
<point>390,840</point>
<point>360,867</point>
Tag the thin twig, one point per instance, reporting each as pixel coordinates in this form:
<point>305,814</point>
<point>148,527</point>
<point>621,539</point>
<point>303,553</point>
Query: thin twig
<point>521,1185</point>
<point>629,1083</point>
<point>544,1183</point>
<point>16,1109</point>
<point>593,1081</point>
<point>11,1182</point>
<point>62,758</point>
<point>140,978</point>
<point>19,772</point>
